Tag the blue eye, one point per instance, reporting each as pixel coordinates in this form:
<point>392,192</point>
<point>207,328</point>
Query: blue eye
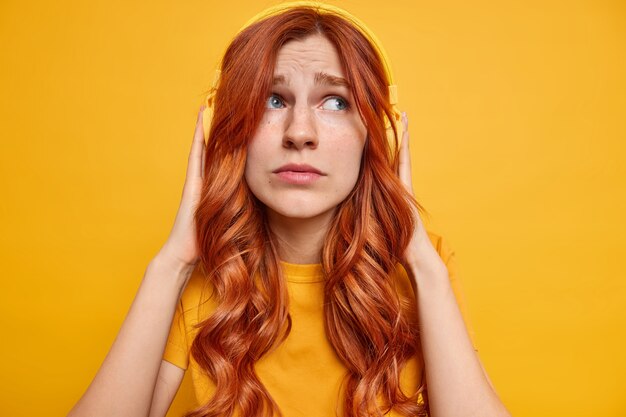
<point>341,103</point>
<point>272,100</point>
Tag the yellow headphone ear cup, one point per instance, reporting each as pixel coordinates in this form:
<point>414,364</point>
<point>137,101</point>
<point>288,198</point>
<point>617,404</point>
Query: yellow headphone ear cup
<point>399,126</point>
<point>393,100</point>
<point>207,117</point>
<point>397,121</point>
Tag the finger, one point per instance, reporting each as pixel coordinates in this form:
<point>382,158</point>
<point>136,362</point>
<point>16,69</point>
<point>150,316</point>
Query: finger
<point>404,166</point>
<point>196,162</point>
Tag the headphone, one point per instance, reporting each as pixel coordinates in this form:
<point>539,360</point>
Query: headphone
<point>323,9</point>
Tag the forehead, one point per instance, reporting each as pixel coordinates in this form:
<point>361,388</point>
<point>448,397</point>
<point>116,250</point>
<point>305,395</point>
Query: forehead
<point>314,56</point>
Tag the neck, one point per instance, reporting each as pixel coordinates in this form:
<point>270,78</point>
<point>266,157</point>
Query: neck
<point>299,241</point>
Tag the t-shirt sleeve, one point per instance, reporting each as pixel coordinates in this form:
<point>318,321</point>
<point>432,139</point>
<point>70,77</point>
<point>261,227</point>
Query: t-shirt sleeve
<point>176,348</point>
<point>449,257</point>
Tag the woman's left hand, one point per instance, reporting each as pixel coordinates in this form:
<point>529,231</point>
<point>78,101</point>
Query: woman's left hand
<point>420,255</point>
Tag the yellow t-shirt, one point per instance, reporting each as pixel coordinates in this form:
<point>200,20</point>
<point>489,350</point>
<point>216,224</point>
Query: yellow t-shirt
<point>303,374</point>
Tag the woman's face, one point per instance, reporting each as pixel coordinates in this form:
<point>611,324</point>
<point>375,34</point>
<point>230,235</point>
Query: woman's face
<point>312,124</point>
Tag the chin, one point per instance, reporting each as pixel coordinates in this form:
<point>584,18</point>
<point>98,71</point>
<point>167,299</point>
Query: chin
<point>299,210</point>
<point>302,212</point>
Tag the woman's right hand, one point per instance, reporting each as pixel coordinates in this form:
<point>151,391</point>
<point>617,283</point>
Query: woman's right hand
<point>181,248</point>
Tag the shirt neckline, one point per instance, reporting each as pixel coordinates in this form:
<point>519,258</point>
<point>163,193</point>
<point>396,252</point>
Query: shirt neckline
<point>302,272</point>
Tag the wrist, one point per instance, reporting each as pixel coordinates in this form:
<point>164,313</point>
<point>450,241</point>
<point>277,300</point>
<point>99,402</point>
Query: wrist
<point>424,261</point>
<point>430,291</point>
<point>428,278</point>
<point>171,269</point>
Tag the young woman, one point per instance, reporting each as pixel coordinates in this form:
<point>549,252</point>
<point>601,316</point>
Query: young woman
<point>298,278</point>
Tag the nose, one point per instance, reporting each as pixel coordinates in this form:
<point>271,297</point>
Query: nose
<point>301,130</point>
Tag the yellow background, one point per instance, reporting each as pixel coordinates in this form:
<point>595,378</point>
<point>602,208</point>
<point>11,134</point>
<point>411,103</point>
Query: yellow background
<point>517,117</point>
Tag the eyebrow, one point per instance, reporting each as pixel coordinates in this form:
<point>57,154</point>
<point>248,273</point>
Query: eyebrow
<point>321,78</point>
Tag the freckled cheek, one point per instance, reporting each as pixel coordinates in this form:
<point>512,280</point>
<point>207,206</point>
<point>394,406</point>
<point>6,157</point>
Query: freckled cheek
<point>272,120</point>
<point>255,160</point>
<point>333,121</point>
<point>343,153</point>
<point>258,147</point>
<point>267,130</point>
<point>346,141</point>
<point>341,124</point>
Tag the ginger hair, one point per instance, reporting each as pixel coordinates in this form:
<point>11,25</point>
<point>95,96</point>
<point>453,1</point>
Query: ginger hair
<point>372,329</point>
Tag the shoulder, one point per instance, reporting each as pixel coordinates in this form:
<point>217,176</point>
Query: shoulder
<point>198,298</point>
<point>442,245</point>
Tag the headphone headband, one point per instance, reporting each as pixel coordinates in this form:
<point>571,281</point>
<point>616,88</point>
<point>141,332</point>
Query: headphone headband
<point>330,9</point>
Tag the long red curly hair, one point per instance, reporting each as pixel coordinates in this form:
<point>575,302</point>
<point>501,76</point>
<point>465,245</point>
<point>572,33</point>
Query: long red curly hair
<point>372,329</point>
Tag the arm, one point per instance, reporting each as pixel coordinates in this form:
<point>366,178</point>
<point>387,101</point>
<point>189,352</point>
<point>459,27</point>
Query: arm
<point>456,382</point>
<point>125,383</point>
<point>133,378</point>
<point>168,382</point>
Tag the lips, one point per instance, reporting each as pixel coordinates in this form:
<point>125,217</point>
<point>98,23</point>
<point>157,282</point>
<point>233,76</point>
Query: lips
<point>298,168</point>
<point>298,174</point>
